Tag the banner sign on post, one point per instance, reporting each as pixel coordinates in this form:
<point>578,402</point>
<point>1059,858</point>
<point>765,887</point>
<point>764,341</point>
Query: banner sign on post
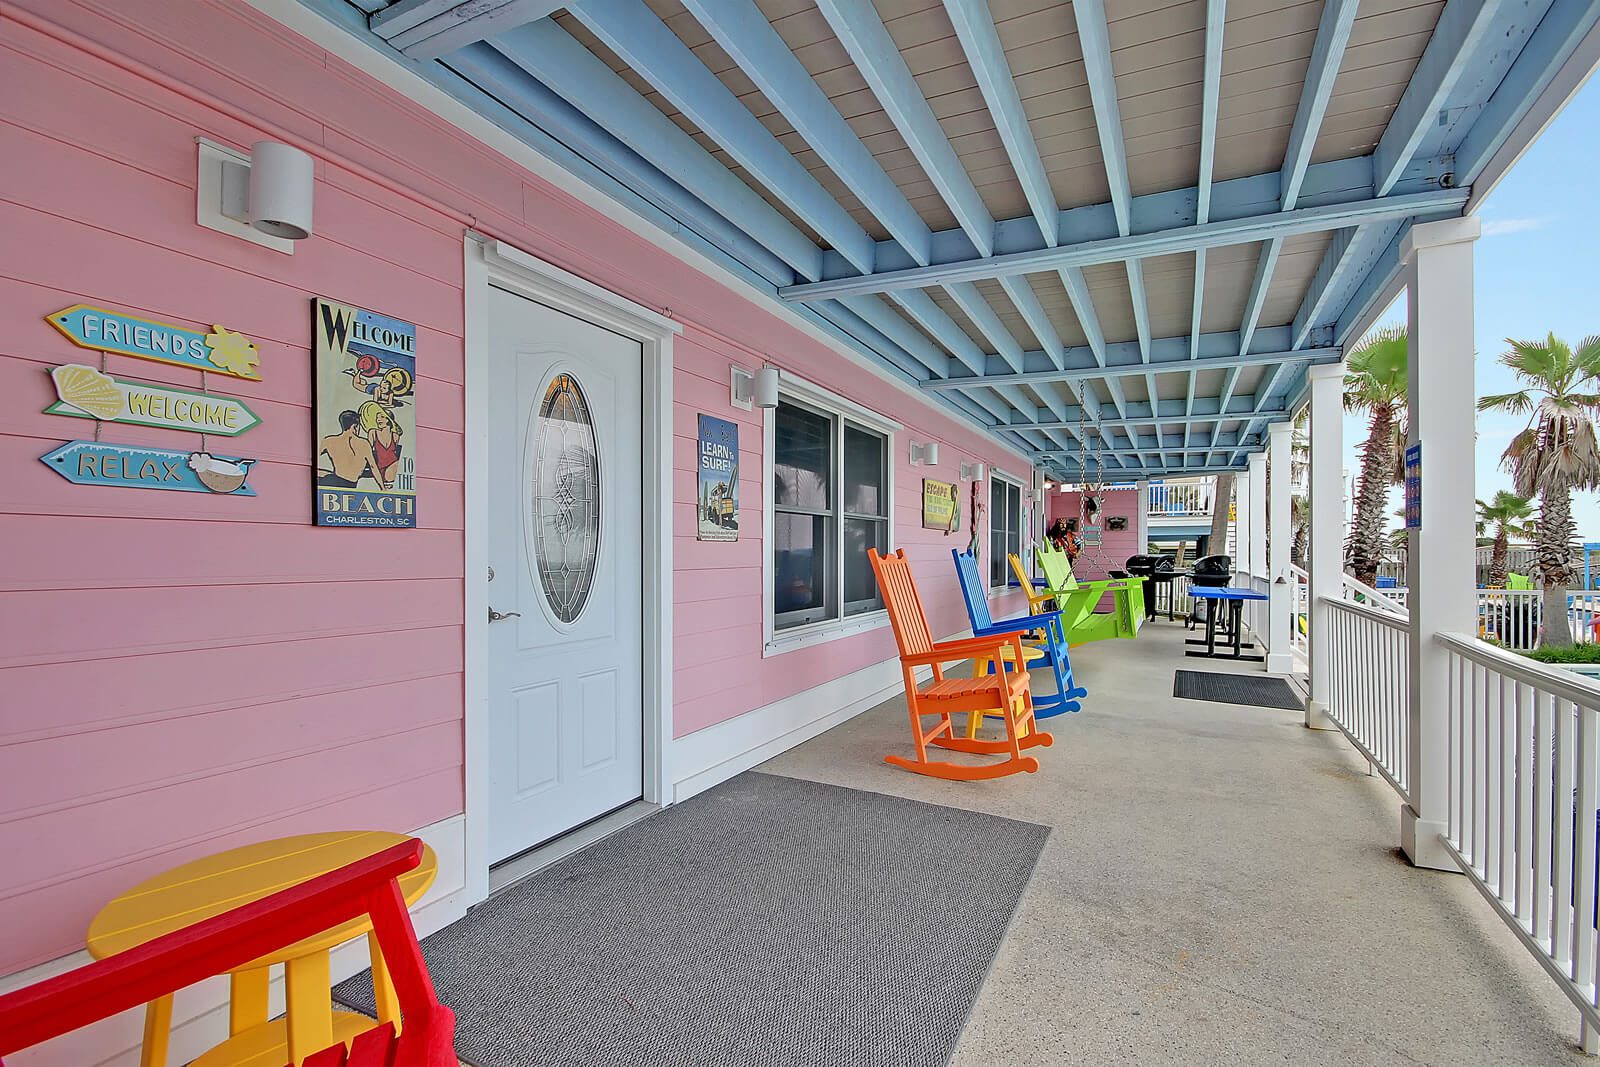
<point>717,484</point>
<point>221,350</point>
<point>131,467</point>
<point>86,393</point>
<point>1414,486</point>
<point>364,417</point>
<point>941,505</point>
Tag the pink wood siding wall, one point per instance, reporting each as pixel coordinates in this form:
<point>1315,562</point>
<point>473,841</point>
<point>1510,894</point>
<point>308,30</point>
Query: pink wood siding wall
<point>180,673</point>
<point>1117,545</point>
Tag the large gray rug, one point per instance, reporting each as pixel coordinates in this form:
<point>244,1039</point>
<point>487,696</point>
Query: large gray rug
<point>769,921</point>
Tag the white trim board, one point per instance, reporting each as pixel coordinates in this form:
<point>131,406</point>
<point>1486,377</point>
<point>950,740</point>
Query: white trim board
<point>493,263</point>
<point>200,1013</point>
<point>388,71</point>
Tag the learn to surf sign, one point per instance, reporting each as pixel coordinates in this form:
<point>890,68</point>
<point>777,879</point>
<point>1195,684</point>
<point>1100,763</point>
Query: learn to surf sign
<point>221,350</point>
<point>86,393</point>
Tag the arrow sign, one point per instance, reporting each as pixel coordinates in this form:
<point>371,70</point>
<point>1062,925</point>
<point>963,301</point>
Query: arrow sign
<point>129,466</point>
<point>221,350</point>
<point>86,393</point>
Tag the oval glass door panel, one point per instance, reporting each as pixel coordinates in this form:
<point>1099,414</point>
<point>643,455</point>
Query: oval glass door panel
<point>564,505</point>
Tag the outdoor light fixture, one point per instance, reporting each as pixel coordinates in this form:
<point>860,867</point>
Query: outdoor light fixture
<point>972,472</point>
<point>925,454</point>
<point>273,192</point>
<point>748,390</point>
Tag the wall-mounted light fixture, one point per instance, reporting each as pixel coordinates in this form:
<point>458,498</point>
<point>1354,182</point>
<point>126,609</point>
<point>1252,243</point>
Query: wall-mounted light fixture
<point>972,472</point>
<point>272,192</point>
<point>748,390</point>
<point>926,454</point>
<point>1048,484</point>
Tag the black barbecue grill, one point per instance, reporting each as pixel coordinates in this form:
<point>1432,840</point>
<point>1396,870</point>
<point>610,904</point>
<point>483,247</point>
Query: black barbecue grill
<point>1158,572</point>
<point>1209,571</point>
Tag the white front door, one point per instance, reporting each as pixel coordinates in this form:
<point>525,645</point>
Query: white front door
<point>566,730</point>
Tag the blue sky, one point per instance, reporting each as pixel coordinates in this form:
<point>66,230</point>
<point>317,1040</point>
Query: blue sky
<point>1536,274</point>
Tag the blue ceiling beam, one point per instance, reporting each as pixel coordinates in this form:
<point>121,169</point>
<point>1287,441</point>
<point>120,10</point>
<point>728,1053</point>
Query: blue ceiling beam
<point>1082,302</point>
<point>1216,233</point>
<point>742,31</point>
<point>982,315</point>
<point>1549,46</point>
<point>879,61</point>
<point>631,30</point>
<point>1333,270</point>
<point>986,58</point>
<point>427,29</point>
<point>1204,417</point>
<point>1182,363</point>
<point>1462,27</point>
<point>877,314</point>
<point>942,328</point>
<point>1210,93</point>
<point>1095,42</point>
<point>550,54</point>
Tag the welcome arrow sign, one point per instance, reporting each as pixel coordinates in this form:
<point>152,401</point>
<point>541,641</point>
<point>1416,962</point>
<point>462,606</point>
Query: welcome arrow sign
<point>86,393</point>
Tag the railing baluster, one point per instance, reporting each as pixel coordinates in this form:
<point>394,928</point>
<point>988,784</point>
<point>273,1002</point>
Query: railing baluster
<point>1587,759</point>
<point>1525,698</point>
<point>1491,779</point>
<point>1543,787</point>
<point>1506,793</point>
<point>1561,831</point>
<point>1475,820</point>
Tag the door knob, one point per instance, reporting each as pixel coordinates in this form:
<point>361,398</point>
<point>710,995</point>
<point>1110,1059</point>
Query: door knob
<point>501,616</point>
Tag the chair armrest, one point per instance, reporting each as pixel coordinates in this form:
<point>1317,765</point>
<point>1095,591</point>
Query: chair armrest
<point>967,648</point>
<point>1018,624</point>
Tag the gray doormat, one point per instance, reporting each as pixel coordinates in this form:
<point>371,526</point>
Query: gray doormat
<point>1255,690</point>
<point>769,921</point>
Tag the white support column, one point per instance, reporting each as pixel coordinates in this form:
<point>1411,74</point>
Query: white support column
<point>1279,537</point>
<point>1143,525</point>
<point>1439,567</point>
<point>1241,527</point>
<point>1326,563</point>
<point>1255,501</point>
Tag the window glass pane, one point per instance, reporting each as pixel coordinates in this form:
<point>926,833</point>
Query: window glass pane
<point>800,568</point>
<point>802,458</point>
<point>997,502</point>
<point>863,472</point>
<point>1014,520</point>
<point>860,588</point>
<point>997,557</point>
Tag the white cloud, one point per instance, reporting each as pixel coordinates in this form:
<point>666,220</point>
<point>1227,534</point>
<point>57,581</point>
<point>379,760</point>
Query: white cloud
<point>1498,227</point>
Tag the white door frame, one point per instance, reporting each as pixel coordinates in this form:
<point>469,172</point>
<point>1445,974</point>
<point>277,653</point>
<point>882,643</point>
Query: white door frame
<point>490,262</point>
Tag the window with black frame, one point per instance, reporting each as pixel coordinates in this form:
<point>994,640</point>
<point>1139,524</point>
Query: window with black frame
<point>1005,528</point>
<point>830,503</point>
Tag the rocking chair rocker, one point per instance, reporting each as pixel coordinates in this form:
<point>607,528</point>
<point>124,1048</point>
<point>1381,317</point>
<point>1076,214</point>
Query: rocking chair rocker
<point>1005,694</point>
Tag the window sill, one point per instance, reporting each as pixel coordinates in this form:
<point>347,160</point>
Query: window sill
<point>819,633</point>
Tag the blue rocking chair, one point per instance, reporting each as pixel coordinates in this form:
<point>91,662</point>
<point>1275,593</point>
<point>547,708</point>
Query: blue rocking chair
<point>1054,646</point>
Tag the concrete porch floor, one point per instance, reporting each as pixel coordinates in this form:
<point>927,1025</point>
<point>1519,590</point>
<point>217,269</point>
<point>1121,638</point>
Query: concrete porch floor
<point>1221,885</point>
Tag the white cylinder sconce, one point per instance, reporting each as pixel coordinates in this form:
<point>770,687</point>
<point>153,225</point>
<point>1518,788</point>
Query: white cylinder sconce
<point>926,454</point>
<point>282,179</point>
<point>767,387</point>
<point>972,472</point>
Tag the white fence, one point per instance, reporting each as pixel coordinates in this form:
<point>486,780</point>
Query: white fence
<point>1524,758</point>
<point>1178,499</point>
<point>1369,685</point>
<point>1512,618</point>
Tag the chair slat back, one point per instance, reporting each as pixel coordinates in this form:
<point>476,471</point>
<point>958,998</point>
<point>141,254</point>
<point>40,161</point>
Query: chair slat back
<point>1057,568</point>
<point>900,597</point>
<point>1022,576</point>
<point>972,591</point>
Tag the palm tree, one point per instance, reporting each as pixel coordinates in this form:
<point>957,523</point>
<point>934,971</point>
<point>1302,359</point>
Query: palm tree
<point>1508,515</point>
<point>1375,383</point>
<point>1555,454</point>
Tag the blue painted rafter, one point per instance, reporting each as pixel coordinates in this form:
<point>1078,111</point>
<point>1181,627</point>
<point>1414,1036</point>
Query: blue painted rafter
<point>553,57</point>
<point>631,30</point>
<point>1203,417</point>
<point>987,59</point>
<point>1210,91</point>
<point>428,29</point>
<point>1094,372</point>
<point>742,31</point>
<point>1179,238</point>
<point>982,315</point>
<point>878,59</point>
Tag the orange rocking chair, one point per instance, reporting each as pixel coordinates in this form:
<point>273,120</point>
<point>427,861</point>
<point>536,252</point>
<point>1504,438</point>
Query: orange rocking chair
<point>1004,694</point>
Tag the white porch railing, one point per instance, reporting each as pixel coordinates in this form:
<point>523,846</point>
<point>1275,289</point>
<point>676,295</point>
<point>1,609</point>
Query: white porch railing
<point>1391,600</point>
<point>1524,779</point>
<point>1369,689</point>
<point>1180,499</point>
<point>1512,618</point>
<point>1300,625</point>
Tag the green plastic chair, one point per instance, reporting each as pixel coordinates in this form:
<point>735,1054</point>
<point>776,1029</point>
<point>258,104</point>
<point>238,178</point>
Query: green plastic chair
<point>1518,581</point>
<point>1077,600</point>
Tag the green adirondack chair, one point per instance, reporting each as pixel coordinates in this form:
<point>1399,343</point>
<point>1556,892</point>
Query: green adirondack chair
<point>1077,600</point>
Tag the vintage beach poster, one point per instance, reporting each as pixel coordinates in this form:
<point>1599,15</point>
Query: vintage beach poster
<point>718,484</point>
<point>364,417</point>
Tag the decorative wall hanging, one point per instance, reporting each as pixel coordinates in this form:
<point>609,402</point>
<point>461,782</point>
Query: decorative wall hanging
<point>86,393</point>
<point>718,482</point>
<point>132,467</point>
<point>941,505</point>
<point>1117,522</point>
<point>364,417</point>
<point>221,350</point>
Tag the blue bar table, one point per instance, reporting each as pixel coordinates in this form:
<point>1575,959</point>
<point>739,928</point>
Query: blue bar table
<point>1234,597</point>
